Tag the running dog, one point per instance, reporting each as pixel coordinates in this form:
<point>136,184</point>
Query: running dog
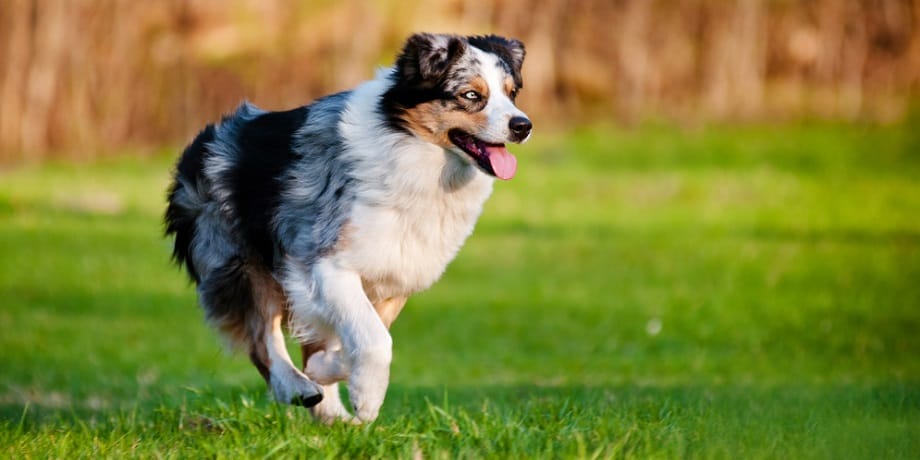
<point>327,217</point>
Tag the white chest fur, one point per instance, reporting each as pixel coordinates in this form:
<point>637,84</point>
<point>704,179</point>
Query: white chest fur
<point>404,246</point>
<point>415,203</point>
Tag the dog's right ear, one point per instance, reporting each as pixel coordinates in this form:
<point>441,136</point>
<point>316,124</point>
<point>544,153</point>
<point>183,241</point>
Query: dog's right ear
<point>426,58</point>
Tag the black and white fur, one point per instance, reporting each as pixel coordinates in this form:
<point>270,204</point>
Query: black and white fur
<point>326,218</point>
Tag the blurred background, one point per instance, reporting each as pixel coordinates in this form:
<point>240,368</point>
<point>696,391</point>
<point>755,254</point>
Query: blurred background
<point>711,247</point>
<point>85,78</point>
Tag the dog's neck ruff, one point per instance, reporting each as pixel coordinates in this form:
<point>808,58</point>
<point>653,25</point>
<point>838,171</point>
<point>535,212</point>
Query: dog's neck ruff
<point>409,191</point>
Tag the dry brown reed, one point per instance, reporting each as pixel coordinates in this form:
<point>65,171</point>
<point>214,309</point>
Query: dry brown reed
<point>80,77</point>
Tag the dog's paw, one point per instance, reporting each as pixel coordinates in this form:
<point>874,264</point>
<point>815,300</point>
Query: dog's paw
<point>330,410</point>
<point>327,367</point>
<point>367,384</point>
<point>296,389</point>
<point>329,417</point>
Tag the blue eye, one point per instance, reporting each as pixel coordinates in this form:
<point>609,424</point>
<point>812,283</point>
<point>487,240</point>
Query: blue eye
<point>472,95</point>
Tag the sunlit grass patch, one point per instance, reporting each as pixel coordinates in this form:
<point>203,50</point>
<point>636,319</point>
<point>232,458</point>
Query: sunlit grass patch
<point>738,292</point>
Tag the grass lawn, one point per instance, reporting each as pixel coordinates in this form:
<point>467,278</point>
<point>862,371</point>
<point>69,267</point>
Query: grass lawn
<point>745,292</point>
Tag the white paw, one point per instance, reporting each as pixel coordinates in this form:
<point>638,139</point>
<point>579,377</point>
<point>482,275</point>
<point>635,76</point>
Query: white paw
<point>330,416</point>
<point>326,367</point>
<point>367,384</point>
<point>331,413</point>
<point>331,410</point>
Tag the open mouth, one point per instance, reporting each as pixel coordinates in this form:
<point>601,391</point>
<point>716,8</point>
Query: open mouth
<point>494,159</point>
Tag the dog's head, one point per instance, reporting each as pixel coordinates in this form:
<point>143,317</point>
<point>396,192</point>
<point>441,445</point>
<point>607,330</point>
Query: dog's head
<point>458,93</point>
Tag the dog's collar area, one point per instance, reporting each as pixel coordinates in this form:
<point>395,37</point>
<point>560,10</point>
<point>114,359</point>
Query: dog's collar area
<point>492,158</point>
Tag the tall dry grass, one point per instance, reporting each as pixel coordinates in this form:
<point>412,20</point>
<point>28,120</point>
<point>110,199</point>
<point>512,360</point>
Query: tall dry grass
<point>81,77</point>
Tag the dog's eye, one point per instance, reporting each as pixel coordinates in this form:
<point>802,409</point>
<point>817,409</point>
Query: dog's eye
<point>472,95</point>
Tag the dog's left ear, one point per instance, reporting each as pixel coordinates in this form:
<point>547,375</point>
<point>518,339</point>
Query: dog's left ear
<point>427,57</point>
<point>509,50</point>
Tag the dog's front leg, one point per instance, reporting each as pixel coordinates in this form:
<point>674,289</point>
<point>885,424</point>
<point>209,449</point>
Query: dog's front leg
<point>330,409</point>
<point>366,343</point>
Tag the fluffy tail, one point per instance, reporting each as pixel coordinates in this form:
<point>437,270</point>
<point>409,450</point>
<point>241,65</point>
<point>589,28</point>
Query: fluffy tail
<point>186,200</point>
<point>205,245</point>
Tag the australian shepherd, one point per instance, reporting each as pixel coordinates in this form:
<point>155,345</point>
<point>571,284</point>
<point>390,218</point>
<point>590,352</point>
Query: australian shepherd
<point>324,219</point>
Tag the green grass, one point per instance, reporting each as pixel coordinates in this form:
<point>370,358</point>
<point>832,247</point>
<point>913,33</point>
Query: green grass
<point>744,292</point>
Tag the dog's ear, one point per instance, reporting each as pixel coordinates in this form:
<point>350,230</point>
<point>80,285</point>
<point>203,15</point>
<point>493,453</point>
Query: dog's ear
<point>508,49</point>
<point>427,57</point>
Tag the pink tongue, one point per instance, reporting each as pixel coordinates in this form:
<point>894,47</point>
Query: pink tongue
<point>503,162</point>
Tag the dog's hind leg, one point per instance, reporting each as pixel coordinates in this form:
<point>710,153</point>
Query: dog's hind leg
<point>269,353</point>
<point>246,304</point>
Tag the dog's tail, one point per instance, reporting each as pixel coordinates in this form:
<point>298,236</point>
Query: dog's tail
<point>187,200</point>
<point>205,245</point>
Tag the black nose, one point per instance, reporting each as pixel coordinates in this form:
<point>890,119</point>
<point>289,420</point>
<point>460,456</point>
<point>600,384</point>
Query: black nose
<point>520,128</point>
